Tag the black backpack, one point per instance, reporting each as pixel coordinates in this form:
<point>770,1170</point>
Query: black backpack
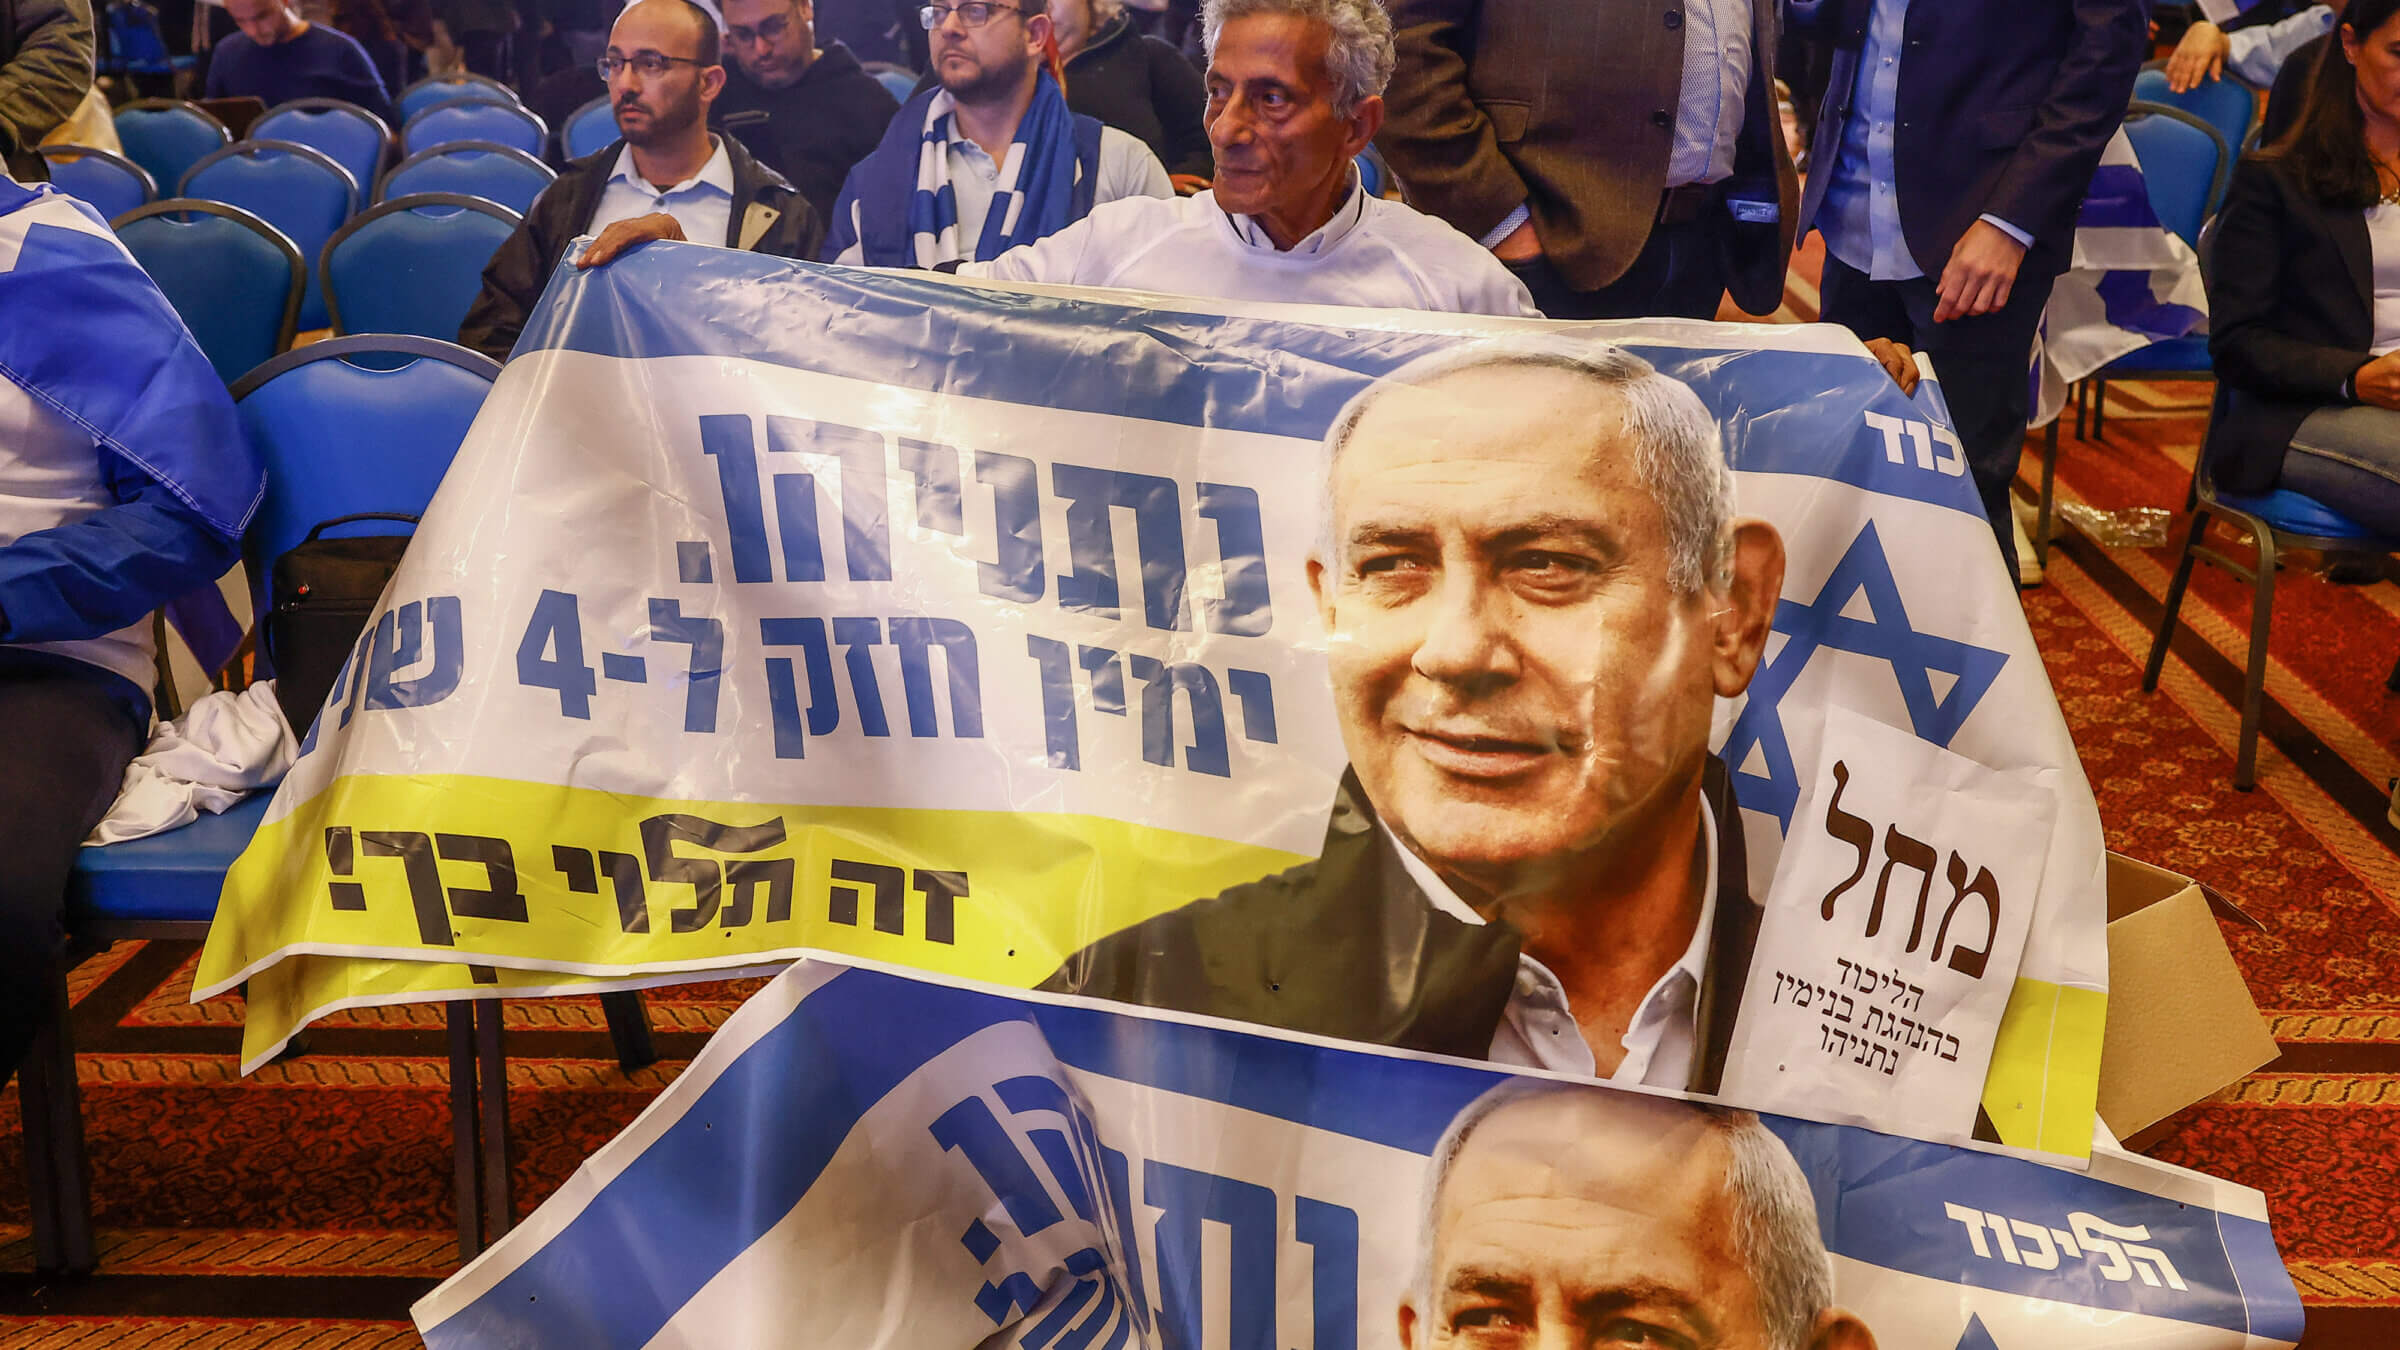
<point>320,596</point>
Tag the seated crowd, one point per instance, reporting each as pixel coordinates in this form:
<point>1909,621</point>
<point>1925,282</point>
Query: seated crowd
<point>1530,158</point>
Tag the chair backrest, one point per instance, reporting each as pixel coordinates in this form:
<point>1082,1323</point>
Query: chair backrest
<point>590,129</point>
<point>2227,104</point>
<point>136,45</point>
<point>484,169</point>
<point>299,191</point>
<point>113,184</point>
<point>235,279</point>
<point>434,89</point>
<point>353,424</point>
<point>475,120</point>
<point>413,264</point>
<point>348,134</point>
<point>900,82</point>
<point>2184,163</point>
<point>168,136</point>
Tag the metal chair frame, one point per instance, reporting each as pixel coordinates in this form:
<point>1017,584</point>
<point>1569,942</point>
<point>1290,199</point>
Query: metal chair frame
<point>291,251</point>
<point>409,202</point>
<point>51,153</point>
<point>541,128</point>
<point>383,184</point>
<point>224,132</point>
<point>246,149</point>
<point>566,152</point>
<point>382,128</point>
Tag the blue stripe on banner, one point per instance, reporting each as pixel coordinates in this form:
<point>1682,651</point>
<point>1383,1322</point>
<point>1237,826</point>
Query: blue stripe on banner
<point>2119,199</point>
<point>1908,1206</point>
<point>2275,1311</point>
<point>1784,412</point>
<point>2130,304</point>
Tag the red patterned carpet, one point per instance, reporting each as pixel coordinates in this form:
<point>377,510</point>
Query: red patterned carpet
<point>306,1206</point>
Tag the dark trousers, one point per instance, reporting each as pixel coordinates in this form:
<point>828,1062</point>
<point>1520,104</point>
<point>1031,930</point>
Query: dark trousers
<point>64,743</point>
<point>1983,363</point>
<point>1679,274</point>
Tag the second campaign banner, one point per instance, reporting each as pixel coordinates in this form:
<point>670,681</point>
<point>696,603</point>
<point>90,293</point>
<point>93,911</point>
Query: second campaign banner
<point>1625,699</point>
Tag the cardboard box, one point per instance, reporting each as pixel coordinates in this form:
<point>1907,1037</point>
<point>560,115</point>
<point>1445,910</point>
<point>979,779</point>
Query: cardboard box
<point>2181,1026</point>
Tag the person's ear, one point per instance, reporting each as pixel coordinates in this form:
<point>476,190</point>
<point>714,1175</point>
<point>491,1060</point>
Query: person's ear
<point>1320,587</point>
<point>1037,32</point>
<point>712,83</point>
<point>1365,120</point>
<point>1745,610</point>
<point>1840,1329</point>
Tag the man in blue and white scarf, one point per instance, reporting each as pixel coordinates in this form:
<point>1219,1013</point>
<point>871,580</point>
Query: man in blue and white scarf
<point>124,482</point>
<point>990,157</point>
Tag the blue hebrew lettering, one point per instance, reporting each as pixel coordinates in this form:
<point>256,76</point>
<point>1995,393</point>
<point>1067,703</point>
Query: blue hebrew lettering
<point>957,641</point>
<point>1017,512</point>
<point>1332,1231</point>
<point>1254,694</point>
<point>1091,542</point>
<point>940,505</point>
<point>858,637</point>
<point>727,439</point>
<point>866,526</point>
<point>1247,609</point>
<point>400,644</point>
<point>783,691</point>
<point>705,674</point>
<point>1059,734</point>
<point>1160,681</point>
<point>1108,679</point>
<point>1184,1198</point>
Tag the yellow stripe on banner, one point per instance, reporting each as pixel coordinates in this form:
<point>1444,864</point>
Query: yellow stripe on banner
<point>2044,1083</point>
<point>540,877</point>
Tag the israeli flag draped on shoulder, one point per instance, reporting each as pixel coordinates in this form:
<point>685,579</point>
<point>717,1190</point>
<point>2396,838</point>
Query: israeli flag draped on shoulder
<point>132,377</point>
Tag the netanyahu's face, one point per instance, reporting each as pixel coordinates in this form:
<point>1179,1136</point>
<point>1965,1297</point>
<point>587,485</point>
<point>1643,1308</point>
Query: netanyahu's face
<point>1582,1221</point>
<point>1519,683</point>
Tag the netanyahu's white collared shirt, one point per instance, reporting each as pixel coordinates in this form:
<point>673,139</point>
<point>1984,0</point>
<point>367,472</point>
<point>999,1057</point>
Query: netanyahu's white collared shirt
<point>1538,1030</point>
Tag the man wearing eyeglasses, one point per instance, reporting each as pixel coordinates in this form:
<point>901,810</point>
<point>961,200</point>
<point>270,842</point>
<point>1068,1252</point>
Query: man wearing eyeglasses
<point>667,177</point>
<point>807,112</point>
<point>988,159</point>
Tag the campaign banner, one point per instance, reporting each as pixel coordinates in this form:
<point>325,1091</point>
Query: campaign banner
<point>865,1158</point>
<point>1335,670</point>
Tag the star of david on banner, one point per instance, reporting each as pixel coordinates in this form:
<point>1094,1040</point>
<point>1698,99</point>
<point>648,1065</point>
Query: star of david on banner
<point>1886,635</point>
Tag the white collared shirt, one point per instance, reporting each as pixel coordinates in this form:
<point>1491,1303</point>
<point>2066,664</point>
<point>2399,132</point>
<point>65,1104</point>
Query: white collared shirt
<point>701,204</point>
<point>1374,252</point>
<point>1538,1030</point>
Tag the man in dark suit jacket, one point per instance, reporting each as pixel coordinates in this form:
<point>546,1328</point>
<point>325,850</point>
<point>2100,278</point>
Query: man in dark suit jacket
<point>1533,858</point>
<point>1956,144</point>
<point>1568,138</point>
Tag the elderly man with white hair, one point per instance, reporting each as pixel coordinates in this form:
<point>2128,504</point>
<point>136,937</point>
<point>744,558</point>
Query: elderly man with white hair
<point>1295,93</point>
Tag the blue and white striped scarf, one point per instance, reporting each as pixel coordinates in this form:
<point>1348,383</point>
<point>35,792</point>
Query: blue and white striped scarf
<point>1035,196</point>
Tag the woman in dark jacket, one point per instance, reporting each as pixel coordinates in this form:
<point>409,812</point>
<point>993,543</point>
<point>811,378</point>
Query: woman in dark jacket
<point>2304,291</point>
<point>1135,83</point>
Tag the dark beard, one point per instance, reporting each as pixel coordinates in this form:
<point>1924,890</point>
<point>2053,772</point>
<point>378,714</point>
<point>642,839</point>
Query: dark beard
<point>666,124</point>
<point>993,85</point>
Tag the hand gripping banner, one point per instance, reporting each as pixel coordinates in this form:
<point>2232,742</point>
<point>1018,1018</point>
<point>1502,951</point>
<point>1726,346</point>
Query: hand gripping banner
<point>864,1159</point>
<point>1398,678</point>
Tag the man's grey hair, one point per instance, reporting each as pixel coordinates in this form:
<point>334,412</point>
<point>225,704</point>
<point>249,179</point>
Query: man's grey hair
<point>1774,1213</point>
<point>1359,55</point>
<point>1677,452</point>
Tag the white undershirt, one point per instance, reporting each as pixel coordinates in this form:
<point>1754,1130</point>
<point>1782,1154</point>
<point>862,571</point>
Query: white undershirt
<point>2383,241</point>
<point>1538,1031</point>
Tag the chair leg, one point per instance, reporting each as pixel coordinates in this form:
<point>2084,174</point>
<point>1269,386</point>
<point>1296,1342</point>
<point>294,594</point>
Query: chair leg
<point>2174,603</point>
<point>491,1063</point>
<point>2392,681</point>
<point>463,1132</point>
<point>2099,409</point>
<point>58,1172</point>
<point>629,1027</point>
<point>2041,517</point>
<point>2254,680</point>
<point>2082,409</point>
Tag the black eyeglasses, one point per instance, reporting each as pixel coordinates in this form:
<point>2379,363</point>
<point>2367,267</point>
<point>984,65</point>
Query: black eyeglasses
<point>973,14</point>
<point>769,30</point>
<point>650,64</point>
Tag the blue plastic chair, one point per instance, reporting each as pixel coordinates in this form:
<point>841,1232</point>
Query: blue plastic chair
<point>474,120</point>
<point>135,44</point>
<point>434,89</point>
<point>2277,522</point>
<point>477,168</point>
<point>235,280</point>
<point>112,184</point>
<point>349,135</point>
<point>168,136</point>
<point>590,129</point>
<point>299,191</point>
<point>396,429</point>
<point>901,82</point>
<point>413,264</point>
<point>2227,105</point>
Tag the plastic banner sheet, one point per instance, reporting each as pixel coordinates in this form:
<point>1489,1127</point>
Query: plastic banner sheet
<point>1043,638</point>
<point>862,1158</point>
